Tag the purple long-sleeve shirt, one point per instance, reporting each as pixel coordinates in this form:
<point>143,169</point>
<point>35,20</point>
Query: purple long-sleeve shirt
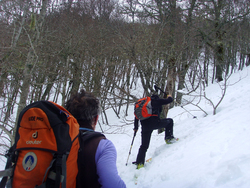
<point>105,159</point>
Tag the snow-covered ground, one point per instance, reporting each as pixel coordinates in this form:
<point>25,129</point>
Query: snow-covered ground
<point>213,150</point>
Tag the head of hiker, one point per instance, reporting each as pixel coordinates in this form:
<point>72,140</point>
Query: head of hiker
<point>84,106</point>
<point>97,155</point>
<point>155,97</point>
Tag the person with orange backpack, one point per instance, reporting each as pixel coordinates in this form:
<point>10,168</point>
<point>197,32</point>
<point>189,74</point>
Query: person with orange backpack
<point>149,115</point>
<point>97,155</point>
<point>51,150</point>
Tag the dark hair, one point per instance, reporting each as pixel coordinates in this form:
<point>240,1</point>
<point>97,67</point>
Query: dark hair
<point>84,106</point>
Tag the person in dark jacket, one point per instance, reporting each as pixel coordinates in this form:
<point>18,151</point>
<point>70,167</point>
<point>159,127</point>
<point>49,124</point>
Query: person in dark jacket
<point>153,123</point>
<point>97,156</point>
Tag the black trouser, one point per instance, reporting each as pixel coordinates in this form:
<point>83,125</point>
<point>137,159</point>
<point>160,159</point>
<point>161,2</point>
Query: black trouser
<point>147,128</point>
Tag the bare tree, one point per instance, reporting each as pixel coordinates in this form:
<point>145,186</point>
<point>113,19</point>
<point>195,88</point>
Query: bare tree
<point>220,16</point>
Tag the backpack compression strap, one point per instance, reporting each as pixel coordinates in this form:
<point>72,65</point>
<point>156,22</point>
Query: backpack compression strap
<point>60,175</point>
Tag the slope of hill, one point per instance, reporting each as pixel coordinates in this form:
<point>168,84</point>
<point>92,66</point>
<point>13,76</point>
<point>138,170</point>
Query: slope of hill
<point>213,150</point>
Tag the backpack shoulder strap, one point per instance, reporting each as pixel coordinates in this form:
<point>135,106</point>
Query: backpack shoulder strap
<point>89,135</point>
<point>8,172</point>
<point>89,142</point>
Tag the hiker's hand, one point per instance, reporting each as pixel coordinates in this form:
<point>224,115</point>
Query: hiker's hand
<point>169,96</point>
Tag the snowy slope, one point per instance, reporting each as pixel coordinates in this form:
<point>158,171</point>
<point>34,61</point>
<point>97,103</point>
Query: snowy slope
<point>213,151</point>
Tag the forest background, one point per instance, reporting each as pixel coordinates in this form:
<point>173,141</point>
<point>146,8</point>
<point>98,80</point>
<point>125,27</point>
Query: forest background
<point>50,49</point>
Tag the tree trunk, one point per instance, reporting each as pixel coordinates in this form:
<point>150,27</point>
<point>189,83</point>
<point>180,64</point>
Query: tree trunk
<point>30,64</point>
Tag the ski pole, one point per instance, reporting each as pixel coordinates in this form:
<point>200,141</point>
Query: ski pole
<point>131,147</point>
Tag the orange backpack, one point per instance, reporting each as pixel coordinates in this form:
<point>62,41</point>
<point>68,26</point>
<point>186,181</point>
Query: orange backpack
<point>143,108</point>
<point>46,147</point>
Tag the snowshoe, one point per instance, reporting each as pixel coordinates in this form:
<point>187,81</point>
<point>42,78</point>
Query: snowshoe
<point>139,166</point>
